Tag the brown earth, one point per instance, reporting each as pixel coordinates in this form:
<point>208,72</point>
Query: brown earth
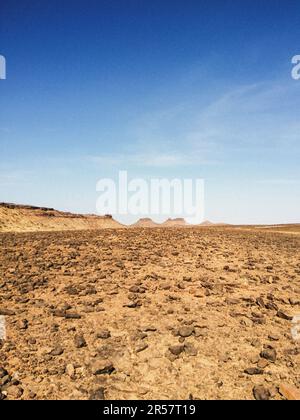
<point>26,218</point>
<point>201,313</point>
<point>22,218</point>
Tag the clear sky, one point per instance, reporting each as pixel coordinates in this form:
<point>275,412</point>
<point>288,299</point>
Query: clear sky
<point>160,88</point>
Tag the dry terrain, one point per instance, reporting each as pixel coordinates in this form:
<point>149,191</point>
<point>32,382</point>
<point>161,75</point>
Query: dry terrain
<point>20,218</point>
<point>166,313</point>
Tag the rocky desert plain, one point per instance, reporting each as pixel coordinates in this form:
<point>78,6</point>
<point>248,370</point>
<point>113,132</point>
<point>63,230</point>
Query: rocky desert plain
<point>96,310</point>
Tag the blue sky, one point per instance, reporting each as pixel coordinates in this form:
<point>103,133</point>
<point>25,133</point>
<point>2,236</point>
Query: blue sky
<point>172,89</point>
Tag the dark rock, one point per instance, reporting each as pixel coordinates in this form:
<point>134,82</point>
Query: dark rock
<point>273,337</point>
<point>261,393</point>
<point>98,394</point>
<point>23,324</point>
<point>141,347</point>
<point>283,315</point>
<point>254,371</point>
<point>63,314</point>
<point>5,380</point>
<point>79,341</point>
<point>71,290</point>
<point>57,351</point>
<point>272,306</point>
<point>72,316</point>
<point>7,312</point>
<point>186,331</point>
<point>101,367</point>
<point>3,372</point>
<point>260,302</point>
<point>176,350</point>
<point>269,354</point>
<point>105,334</point>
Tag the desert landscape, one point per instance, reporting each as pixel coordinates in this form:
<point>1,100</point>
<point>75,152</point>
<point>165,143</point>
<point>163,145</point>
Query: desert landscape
<point>95,310</point>
<point>149,203</point>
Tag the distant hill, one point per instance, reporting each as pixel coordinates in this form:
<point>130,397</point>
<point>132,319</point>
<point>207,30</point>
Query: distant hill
<point>174,222</point>
<point>26,218</point>
<point>208,223</point>
<point>145,222</point>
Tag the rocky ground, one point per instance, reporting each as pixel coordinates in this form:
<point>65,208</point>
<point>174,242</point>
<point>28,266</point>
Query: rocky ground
<point>200,313</point>
<point>24,218</point>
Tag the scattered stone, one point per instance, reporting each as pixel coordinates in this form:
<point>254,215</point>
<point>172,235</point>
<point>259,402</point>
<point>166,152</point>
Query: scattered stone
<point>57,351</point>
<point>64,314</point>
<point>7,312</point>
<point>260,302</point>
<point>79,341</point>
<point>70,315</point>
<point>32,395</point>
<point>269,354</point>
<point>246,322</point>
<point>254,371</point>
<point>255,342</point>
<point>186,331</point>
<point>273,337</point>
<point>261,393</point>
<point>104,334</point>
<point>131,304</point>
<point>70,370</point>
<point>14,392</point>
<point>255,359</point>
<point>52,279</point>
<point>98,394</point>
<point>294,302</point>
<point>23,324</point>
<point>101,367</point>
<point>3,372</point>
<point>283,315</point>
<point>176,350</point>
<point>273,391</point>
<point>271,306</point>
<point>141,347</point>
<point>150,328</point>
<point>231,301</point>
<point>190,349</point>
<point>262,364</point>
<point>5,380</point>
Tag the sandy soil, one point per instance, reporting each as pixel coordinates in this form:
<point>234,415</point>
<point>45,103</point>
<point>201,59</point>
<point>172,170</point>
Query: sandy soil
<point>19,218</point>
<point>201,313</point>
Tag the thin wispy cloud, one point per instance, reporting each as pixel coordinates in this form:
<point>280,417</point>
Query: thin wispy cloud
<point>279,182</point>
<point>159,160</point>
<point>242,117</point>
<point>216,104</point>
<point>12,179</point>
